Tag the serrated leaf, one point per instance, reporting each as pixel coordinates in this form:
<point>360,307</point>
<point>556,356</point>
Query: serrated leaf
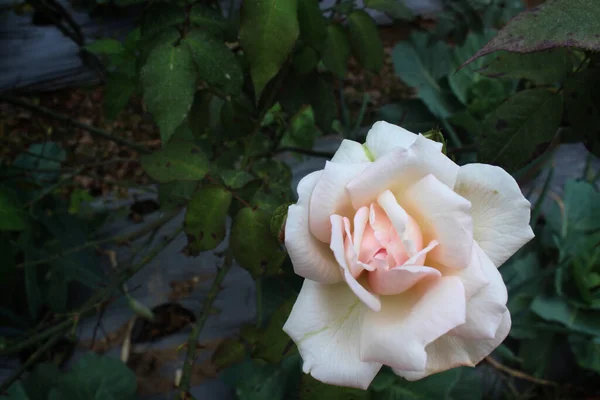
<point>205,218</point>
<point>169,83</point>
<point>512,132</point>
<point>421,66</point>
<point>365,40</point>
<point>12,215</point>
<point>587,351</point>
<point>542,68</point>
<point>337,50</point>
<point>215,63</point>
<point>555,23</point>
<point>582,101</point>
<point>312,24</point>
<point>253,246</point>
<point>182,161</point>
<point>160,16</point>
<point>210,20</point>
<point>236,179</point>
<point>393,8</point>
<point>268,32</point>
<point>559,310</point>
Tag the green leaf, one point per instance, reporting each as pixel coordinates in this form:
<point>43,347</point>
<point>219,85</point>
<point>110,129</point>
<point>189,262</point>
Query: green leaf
<point>268,32</point>
<point>205,218</point>
<point>302,131</point>
<point>158,17</point>
<point>312,389</point>
<point>305,60</point>
<point>43,378</point>
<point>56,286</point>
<point>229,352</point>
<point>365,40</point>
<point>183,161</point>
<point>583,106</point>
<point>51,155</point>
<point>278,219</point>
<point>215,63</point>
<point>421,67</point>
<point>94,377</point>
<point>587,351</point>
<point>108,47</point>
<point>512,132</point>
<point>312,24</point>
<point>542,68</point>
<point>12,215</point>
<point>274,344</point>
<point>236,118</point>
<point>236,179</point>
<point>118,90</point>
<point>168,82</point>
<point>559,310</point>
<point>555,23</point>
<point>537,353</point>
<point>337,50</point>
<point>253,246</point>
<point>211,21</point>
<point>393,8</point>
<point>16,392</point>
<point>410,114</point>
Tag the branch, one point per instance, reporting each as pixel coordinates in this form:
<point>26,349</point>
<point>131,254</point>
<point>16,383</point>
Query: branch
<point>192,344</point>
<point>63,118</point>
<point>518,374</point>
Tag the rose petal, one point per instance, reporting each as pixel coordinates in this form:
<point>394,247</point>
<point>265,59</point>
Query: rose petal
<point>311,258</point>
<point>394,212</point>
<point>486,309</point>
<point>400,168</point>
<point>369,246</point>
<point>338,248</point>
<point>500,212</point>
<point>399,279</point>
<point>419,257</point>
<point>451,351</point>
<point>443,215</point>
<point>330,197</point>
<point>350,152</point>
<point>473,276</point>
<point>380,223</point>
<point>383,137</point>
<point>397,335</point>
<point>325,324</point>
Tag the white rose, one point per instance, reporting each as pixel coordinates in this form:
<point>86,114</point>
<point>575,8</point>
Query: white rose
<point>400,248</point>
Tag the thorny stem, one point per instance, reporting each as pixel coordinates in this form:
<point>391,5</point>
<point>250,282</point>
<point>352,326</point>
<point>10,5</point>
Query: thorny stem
<point>192,344</point>
<point>518,374</point>
<point>63,118</point>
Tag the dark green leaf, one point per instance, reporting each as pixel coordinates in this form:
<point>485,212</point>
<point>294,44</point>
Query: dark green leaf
<point>43,378</point>
<point>215,63</point>
<point>168,81</point>
<point>183,161</point>
<point>555,23</point>
<point>312,24</point>
<point>302,131</point>
<point>365,41</point>
<point>229,352</point>
<point>56,286</point>
<point>278,220</point>
<point>160,16</point>
<point>253,246</point>
<point>511,134</point>
<point>421,67</point>
<point>16,392</point>
<point>542,68</point>
<point>236,179</point>
<point>274,344</point>
<point>236,118</point>
<point>337,50</point>
<point>393,8</point>
<point>559,310</point>
<point>312,389</point>
<point>117,92</point>
<point>583,106</point>
<point>106,46</point>
<point>410,114</point>
<point>210,20</point>
<point>205,218</point>
<point>537,353</point>
<point>12,215</point>
<point>268,32</point>
<point>305,60</point>
<point>587,351</point>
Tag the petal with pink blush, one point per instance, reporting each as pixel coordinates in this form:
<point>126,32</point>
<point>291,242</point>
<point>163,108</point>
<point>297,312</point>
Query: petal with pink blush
<point>361,218</point>
<point>443,216</point>
<point>419,257</point>
<point>393,210</point>
<point>399,279</point>
<point>339,252</point>
<point>369,245</point>
<point>397,335</point>
<point>380,223</point>
<point>331,197</point>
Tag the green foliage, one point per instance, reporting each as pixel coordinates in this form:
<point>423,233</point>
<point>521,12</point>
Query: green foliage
<point>392,8</point>
<point>337,50</point>
<point>312,389</point>
<point>205,218</point>
<point>365,41</point>
<point>583,106</point>
<point>553,24</point>
<point>587,351</point>
<point>268,32</point>
<point>177,161</point>
<point>313,28</point>
<point>12,216</point>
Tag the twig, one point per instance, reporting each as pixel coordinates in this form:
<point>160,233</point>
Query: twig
<point>518,374</point>
<point>192,344</point>
<point>63,118</point>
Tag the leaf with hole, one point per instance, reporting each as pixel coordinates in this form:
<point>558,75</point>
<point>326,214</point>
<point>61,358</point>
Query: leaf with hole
<point>205,218</point>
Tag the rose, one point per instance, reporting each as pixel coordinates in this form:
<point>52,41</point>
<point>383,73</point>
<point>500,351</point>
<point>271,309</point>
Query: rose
<point>400,248</point>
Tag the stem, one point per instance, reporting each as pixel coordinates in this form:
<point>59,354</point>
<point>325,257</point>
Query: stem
<point>63,118</point>
<point>30,341</point>
<point>30,361</point>
<point>192,344</point>
<point>518,374</point>
<point>55,186</point>
<point>258,302</point>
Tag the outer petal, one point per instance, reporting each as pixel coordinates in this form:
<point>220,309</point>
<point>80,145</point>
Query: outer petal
<point>350,152</point>
<point>442,215</point>
<point>500,212</point>
<point>486,309</point>
<point>397,335</point>
<point>400,168</point>
<point>325,324</point>
<point>330,197</point>
<point>383,137</point>
<point>400,279</point>
<point>451,351</point>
